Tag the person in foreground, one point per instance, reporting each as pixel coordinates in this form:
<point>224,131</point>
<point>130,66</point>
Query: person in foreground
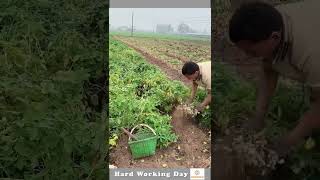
<point>286,37</point>
<point>199,74</point>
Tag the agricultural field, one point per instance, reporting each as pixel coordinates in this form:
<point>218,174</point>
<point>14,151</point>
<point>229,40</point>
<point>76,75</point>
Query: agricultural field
<point>52,84</point>
<point>171,51</point>
<point>142,92</point>
<point>162,36</point>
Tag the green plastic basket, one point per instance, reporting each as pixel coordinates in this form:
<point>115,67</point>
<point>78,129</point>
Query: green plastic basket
<point>145,145</point>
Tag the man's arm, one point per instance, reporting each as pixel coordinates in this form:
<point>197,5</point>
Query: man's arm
<point>207,100</point>
<point>193,91</point>
<point>267,85</point>
<point>310,121</point>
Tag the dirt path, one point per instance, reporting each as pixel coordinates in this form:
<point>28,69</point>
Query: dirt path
<point>192,148</point>
<point>171,73</point>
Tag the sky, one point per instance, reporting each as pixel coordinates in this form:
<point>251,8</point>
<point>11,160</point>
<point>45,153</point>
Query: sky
<point>147,18</point>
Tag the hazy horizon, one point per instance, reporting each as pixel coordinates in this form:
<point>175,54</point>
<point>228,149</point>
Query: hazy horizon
<point>198,19</point>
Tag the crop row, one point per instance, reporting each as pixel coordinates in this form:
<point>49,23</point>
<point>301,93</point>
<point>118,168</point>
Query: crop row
<point>140,93</point>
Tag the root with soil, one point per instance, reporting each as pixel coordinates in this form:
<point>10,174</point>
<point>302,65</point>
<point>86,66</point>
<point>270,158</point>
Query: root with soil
<point>251,155</point>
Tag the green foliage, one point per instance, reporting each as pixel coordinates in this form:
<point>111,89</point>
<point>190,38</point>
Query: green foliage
<point>286,108</point>
<point>205,118</point>
<point>233,98</point>
<point>48,50</point>
<point>140,93</point>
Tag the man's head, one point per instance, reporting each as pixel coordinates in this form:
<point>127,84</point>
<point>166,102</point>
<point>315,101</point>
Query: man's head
<point>191,70</point>
<point>256,29</point>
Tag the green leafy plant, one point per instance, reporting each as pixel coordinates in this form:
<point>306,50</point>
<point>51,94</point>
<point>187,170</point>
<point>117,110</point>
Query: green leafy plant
<point>140,93</point>
<point>51,54</point>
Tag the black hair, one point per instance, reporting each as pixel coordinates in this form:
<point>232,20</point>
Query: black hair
<point>190,68</point>
<point>254,21</point>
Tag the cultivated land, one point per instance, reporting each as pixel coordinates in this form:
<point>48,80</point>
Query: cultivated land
<point>135,63</point>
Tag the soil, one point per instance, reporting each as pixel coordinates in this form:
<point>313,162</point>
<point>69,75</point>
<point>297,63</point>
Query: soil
<point>232,164</point>
<point>192,148</point>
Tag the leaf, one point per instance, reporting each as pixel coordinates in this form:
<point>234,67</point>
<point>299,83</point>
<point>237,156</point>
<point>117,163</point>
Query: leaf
<point>113,140</point>
<point>23,149</point>
<point>67,145</point>
<point>94,99</point>
<point>310,143</point>
<point>20,163</point>
<point>20,123</point>
<point>33,133</point>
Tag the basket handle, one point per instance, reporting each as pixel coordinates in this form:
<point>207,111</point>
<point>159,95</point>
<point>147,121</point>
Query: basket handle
<point>142,125</point>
